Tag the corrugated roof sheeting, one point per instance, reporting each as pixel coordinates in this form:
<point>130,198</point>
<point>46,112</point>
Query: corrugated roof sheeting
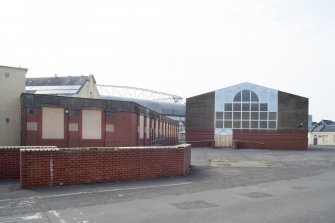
<point>54,90</point>
<point>57,81</point>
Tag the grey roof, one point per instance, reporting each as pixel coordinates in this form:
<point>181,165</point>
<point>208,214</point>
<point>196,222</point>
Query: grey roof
<point>57,81</point>
<point>329,128</point>
<point>324,126</point>
<point>318,128</point>
<point>68,85</point>
<point>54,90</point>
<point>164,108</point>
<point>328,122</point>
<point>75,103</point>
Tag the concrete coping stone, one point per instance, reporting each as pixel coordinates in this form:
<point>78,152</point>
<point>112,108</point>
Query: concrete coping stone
<point>27,147</point>
<point>48,149</point>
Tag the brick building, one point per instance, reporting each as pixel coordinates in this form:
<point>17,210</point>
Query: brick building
<point>247,116</point>
<point>82,122</point>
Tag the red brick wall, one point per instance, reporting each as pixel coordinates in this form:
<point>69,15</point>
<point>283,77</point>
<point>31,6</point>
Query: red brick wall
<point>258,139</point>
<point>125,131</point>
<point>10,161</point>
<point>199,137</point>
<point>51,167</point>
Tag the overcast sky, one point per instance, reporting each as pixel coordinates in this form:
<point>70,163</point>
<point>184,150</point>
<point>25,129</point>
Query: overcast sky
<point>184,47</point>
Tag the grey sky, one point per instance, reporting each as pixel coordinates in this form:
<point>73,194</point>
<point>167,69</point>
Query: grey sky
<point>185,47</point>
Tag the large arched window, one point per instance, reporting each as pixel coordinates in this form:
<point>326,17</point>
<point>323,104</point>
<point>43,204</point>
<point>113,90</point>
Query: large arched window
<point>246,112</point>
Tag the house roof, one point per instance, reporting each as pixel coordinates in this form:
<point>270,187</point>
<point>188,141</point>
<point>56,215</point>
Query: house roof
<point>324,126</point>
<point>327,122</point>
<point>330,128</point>
<point>68,85</point>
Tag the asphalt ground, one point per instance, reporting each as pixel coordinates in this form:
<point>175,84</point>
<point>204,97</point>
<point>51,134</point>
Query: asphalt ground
<point>213,171</point>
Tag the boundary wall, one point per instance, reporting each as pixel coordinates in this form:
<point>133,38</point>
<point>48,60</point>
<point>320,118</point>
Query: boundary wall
<point>10,160</point>
<point>280,139</point>
<point>43,167</point>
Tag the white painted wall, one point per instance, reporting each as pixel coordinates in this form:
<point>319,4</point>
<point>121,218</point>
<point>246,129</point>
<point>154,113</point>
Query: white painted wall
<point>323,138</point>
<point>12,85</point>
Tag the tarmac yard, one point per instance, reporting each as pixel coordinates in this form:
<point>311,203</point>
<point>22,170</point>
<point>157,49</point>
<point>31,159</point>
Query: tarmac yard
<point>224,185</point>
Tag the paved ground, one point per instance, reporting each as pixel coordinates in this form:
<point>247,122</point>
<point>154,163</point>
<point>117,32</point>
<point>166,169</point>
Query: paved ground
<point>224,185</point>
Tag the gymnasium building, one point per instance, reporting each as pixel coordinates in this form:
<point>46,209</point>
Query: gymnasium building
<point>247,116</point>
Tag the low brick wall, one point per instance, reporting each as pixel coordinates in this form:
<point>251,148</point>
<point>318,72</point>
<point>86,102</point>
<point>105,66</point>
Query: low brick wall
<point>10,160</point>
<point>263,139</point>
<point>62,166</point>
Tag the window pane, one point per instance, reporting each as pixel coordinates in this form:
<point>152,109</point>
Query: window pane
<point>263,107</point>
<point>219,124</point>
<point>254,115</point>
<point>254,107</point>
<point>238,96</point>
<point>228,115</point>
<point>228,124</point>
<point>272,115</point>
<point>219,115</point>
<point>237,115</point>
<point>254,124</point>
<point>272,124</point>
<point>246,115</point>
<point>263,115</point>
<point>237,107</point>
<point>263,124</point>
<point>245,124</point>
<point>245,107</point>
<point>254,96</point>
<point>228,107</point>
<point>237,124</point>
<point>245,95</point>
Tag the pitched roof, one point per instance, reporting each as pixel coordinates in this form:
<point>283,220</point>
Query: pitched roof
<point>330,128</point>
<point>57,81</point>
<point>324,126</point>
<point>327,122</point>
<point>56,85</point>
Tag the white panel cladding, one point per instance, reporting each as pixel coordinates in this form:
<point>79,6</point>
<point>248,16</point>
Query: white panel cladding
<point>52,123</point>
<point>91,124</point>
<point>157,129</point>
<point>31,126</point>
<point>73,127</point>
<point>147,128</point>
<point>141,127</point>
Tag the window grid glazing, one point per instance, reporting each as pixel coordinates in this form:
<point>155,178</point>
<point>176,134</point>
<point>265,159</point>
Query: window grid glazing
<point>246,112</point>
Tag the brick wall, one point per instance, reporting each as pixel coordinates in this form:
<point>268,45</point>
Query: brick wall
<point>123,133</point>
<point>51,167</point>
<point>200,111</point>
<point>200,137</point>
<point>119,122</point>
<point>262,139</point>
<point>10,161</point>
<point>292,111</point>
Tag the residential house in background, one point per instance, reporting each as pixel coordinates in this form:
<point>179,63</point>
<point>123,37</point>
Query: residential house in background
<point>322,133</point>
